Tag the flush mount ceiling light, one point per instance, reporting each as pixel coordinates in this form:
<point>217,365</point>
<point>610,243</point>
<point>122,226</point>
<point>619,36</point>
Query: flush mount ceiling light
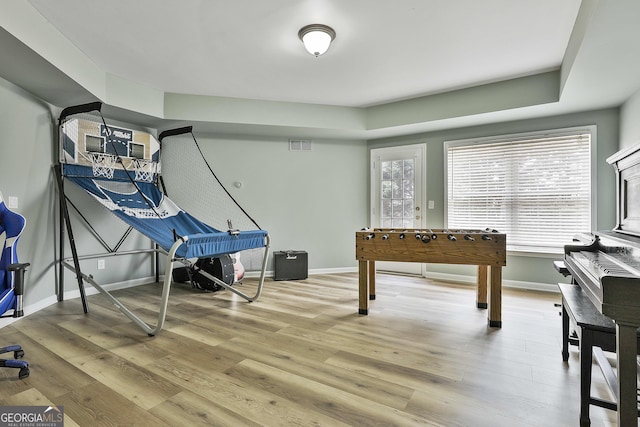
<point>316,38</point>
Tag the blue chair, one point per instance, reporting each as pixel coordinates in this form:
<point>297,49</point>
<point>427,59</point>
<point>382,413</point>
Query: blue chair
<point>11,281</point>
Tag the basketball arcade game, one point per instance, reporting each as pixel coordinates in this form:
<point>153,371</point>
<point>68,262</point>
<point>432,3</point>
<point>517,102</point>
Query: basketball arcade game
<point>484,248</point>
<point>120,168</point>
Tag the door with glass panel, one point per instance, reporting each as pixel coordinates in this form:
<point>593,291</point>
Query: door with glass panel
<point>397,182</point>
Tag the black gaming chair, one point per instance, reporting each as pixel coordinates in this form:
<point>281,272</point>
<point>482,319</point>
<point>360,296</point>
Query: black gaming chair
<point>11,281</point>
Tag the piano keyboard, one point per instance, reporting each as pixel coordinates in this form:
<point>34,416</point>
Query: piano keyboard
<point>602,264</point>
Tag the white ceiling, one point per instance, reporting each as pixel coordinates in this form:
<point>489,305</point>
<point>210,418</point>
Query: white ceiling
<point>384,52</point>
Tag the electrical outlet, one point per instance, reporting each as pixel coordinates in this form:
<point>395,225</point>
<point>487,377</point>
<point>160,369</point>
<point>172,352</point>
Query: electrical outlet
<point>101,264</point>
<point>12,203</point>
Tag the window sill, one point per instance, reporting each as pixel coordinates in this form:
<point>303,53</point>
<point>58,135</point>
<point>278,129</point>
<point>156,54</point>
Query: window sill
<point>554,253</point>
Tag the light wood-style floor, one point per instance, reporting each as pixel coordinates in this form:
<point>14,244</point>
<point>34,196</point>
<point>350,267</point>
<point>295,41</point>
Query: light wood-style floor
<point>302,356</point>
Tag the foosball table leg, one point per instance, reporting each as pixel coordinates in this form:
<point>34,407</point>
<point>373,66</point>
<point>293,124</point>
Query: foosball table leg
<point>363,287</point>
<point>495,308</point>
<point>372,280</point>
<point>481,298</point>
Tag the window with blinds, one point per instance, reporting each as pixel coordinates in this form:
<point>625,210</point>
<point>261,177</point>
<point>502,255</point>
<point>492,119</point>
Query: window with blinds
<point>536,188</point>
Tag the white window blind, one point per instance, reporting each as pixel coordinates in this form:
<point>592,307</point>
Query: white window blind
<point>537,188</point>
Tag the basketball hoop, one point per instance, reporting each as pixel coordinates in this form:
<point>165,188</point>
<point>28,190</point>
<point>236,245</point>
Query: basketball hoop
<point>144,169</point>
<point>103,164</point>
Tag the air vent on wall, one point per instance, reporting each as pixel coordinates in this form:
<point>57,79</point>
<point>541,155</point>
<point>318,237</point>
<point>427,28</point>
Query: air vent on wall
<point>300,145</point>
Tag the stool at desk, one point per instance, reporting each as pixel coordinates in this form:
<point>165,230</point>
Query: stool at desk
<point>572,338</point>
<point>596,333</point>
<point>561,268</point>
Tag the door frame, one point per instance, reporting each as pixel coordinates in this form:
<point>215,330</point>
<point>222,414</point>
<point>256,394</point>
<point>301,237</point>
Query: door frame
<point>421,195</point>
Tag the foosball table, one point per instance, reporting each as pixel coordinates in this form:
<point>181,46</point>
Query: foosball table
<point>484,248</point>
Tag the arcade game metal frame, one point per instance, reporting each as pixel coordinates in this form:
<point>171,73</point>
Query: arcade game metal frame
<point>183,240</point>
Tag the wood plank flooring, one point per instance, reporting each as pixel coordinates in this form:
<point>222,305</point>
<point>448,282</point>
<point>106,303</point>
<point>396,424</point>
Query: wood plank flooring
<point>302,356</point>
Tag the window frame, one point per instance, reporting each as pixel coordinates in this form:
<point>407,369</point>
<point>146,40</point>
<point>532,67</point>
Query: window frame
<point>522,136</point>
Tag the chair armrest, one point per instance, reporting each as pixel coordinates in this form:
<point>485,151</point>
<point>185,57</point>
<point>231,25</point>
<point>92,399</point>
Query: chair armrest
<point>19,269</point>
<point>18,266</point>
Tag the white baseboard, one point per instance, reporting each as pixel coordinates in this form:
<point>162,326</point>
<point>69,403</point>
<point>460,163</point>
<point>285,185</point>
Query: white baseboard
<point>69,295</point>
<point>471,280</point>
<point>268,273</point>
<point>333,270</point>
<point>90,290</point>
<point>29,309</point>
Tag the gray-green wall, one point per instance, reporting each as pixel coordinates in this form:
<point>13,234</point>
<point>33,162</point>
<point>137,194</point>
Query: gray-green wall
<point>311,201</point>
<point>307,200</point>
<point>530,268</point>
<point>27,138</point>
<point>630,122</point>
<point>26,127</point>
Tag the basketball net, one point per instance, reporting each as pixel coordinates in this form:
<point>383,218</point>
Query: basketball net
<point>103,164</point>
<point>144,170</point>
